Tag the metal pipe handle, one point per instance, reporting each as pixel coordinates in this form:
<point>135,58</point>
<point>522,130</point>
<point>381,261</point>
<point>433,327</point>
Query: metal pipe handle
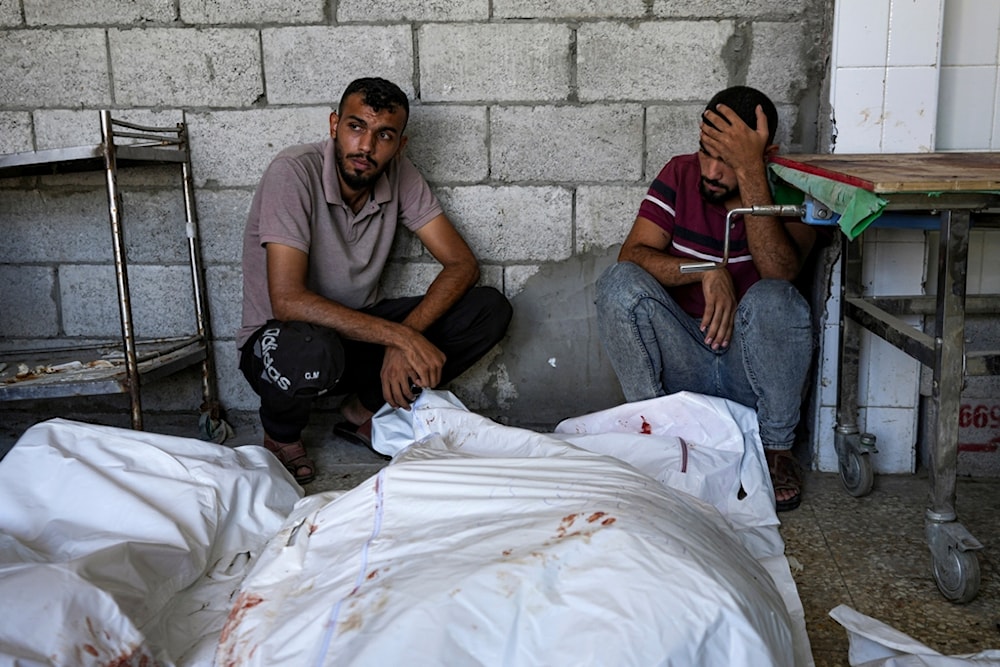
<point>777,210</point>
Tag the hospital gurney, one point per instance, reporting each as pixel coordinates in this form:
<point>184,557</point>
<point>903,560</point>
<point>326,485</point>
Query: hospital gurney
<point>947,192</point>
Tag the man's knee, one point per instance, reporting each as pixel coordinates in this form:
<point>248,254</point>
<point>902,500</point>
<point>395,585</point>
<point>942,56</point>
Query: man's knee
<point>618,285</point>
<point>293,360</point>
<point>498,310</point>
<point>777,298</point>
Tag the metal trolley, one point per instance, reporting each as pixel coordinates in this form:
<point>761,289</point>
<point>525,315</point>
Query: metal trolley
<point>117,366</point>
<point>949,193</point>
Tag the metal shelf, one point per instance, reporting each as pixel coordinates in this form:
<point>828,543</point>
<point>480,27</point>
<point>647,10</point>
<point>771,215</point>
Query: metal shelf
<point>118,367</point>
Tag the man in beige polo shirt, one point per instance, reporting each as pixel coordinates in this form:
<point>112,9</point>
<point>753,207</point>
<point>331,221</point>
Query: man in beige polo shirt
<point>317,239</point>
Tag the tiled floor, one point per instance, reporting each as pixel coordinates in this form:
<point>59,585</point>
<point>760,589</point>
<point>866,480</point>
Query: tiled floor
<point>871,554</point>
<point>868,553</point>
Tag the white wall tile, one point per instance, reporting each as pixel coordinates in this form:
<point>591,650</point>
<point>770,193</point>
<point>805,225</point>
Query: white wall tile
<point>892,376</point>
<point>861,33</point>
<point>895,267</point>
<point>857,104</point>
<point>825,451</point>
<point>989,281</point>
<point>828,365</point>
<point>970,32</point>
<point>966,107</point>
<point>895,432</point>
<point>914,32</point>
<point>910,109</point>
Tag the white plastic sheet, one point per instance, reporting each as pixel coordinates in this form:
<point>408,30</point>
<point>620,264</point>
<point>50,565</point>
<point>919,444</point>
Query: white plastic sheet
<point>484,544</point>
<point>118,546</point>
<point>875,644</point>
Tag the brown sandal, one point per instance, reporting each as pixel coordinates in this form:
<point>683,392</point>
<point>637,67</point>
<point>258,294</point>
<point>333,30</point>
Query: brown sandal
<point>293,456</point>
<point>786,475</point>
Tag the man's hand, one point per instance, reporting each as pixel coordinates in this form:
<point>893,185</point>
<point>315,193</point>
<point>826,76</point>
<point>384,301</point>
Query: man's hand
<point>417,361</point>
<point>720,308</point>
<point>733,141</point>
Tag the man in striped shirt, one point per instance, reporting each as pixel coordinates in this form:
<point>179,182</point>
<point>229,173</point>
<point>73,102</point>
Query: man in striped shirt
<point>743,331</point>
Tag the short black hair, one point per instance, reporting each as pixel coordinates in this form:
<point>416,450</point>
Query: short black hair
<point>744,100</point>
<point>378,94</point>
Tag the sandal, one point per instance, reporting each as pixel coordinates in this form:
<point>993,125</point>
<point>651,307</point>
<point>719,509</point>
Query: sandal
<point>358,435</point>
<point>355,434</point>
<point>293,456</point>
<point>786,475</point>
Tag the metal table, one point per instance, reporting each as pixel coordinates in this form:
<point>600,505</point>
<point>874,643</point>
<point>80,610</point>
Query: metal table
<point>949,192</point>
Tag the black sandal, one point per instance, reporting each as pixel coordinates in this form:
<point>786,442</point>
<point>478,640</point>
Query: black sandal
<point>786,475</point>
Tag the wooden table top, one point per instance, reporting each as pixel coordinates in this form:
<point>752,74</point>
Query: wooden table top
<point>889,173</point>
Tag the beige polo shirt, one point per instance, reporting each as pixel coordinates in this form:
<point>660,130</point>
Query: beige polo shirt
<point>298,204</point>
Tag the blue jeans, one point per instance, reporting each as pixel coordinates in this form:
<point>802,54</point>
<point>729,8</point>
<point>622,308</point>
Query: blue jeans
<point>656,348</point>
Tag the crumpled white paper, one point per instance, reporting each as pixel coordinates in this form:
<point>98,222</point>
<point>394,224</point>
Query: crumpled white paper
<point>875,644</point>
<point>119,546</point>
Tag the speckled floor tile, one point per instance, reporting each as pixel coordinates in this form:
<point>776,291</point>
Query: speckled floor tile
<point>871,554</point>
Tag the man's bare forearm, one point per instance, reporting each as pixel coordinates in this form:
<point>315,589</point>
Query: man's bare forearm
<point>448,287</point>
<point>775,253</point>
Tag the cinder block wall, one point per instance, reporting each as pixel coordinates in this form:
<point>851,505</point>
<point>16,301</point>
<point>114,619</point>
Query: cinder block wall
<point>539,122</point>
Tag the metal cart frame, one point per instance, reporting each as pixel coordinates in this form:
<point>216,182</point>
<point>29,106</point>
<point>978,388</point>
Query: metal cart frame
<point>122,145</point>
<point>937,200</point>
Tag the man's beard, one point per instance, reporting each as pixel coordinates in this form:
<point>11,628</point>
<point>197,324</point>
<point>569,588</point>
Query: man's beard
<point>354,180</point>
<point>720,197</point>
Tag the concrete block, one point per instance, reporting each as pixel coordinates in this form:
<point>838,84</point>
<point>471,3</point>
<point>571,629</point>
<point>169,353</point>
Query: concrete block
<point>515,278</point>
<point>234,391</point>
<point>673,60</point>
<point>780,57</point>
<point>487,62</point>
<point>727,8</point>
<point>225,299</point>
<point>161,301</point>
<point>406,245</point>
<point>413,10</point>
<point>562,143</point>
<point>552,353</point>
<point>233,148</point>
<point>512,224</point>
<point>222,216</point>
<point>10,13</point>
<point>28,302</point>
<point>407,278</point>
<point>97,12</point>
<point>253,12</point>
<point>33,59</point>
<point>448,143</point>
<point>50,226</point>
<point>220,67</point>
<point>299,70</point>
<point>604,215</point>
<point>15,132</point>
<point>571,9</point>
<point>154,226</point>
<point>670,130</point>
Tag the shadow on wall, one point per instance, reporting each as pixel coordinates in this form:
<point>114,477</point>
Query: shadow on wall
<point>553,354</point>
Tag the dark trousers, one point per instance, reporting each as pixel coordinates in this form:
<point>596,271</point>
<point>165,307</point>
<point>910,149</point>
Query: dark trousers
<point>464,334</point>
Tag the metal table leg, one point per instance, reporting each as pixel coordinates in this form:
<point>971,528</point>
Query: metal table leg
<point>853,447</point>
<point>956,566</point>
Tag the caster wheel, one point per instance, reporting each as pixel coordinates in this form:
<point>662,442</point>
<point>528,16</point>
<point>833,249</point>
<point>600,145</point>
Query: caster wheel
<point>957,576</point>
<point>858,476</point>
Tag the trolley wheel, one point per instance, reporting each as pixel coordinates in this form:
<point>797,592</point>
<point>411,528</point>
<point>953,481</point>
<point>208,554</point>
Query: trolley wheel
<point>857,475</point>
<point>957,576</point>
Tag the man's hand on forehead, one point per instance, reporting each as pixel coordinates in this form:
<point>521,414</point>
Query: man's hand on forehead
<point>725,136</point>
